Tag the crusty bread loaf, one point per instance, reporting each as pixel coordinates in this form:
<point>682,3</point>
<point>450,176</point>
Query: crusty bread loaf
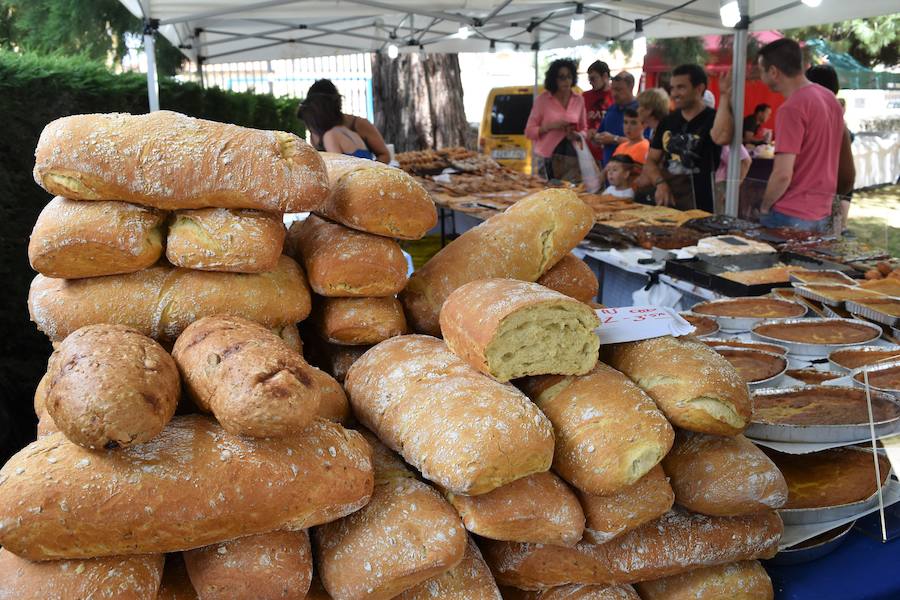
<point>222,239</point>
<point>459,428</point>
<point>723,476</point>
<point>268,566</point>
<point>333,403</point>
<point>115,577</point>
<point>88,239</point>
<point>343,262</point>
<point>609,433</point>
<point>291,335</point>
<point>168,160</point>
<point>372,197</point>
<point>176,585</point>
<point>471,579</point>
<point>539,508</point>
<point>247,377</point>
<point>521,243</point>
<point>696,387</point>
<point>110,386</point>
<point>574,592</point>
<point>194,485</point>
<point>745,580</point>
<point>405,535</point>
<point>508,329</point>
<point>358,321</point>
<point>161,301</point>
<point>609,516</point>
<point>676,542</point>
<point>573,277</point>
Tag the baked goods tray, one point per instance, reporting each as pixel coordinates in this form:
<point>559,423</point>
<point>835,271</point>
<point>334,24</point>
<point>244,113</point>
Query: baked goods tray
<point>813,295</point>
<point>873,315</point>
<point>729,324</point>
<point>836,276</point>
<point>820,434</point>
<point>852,510</point>
<point>812,350</point>
<point>891,364</point>
<point>707,271</point>
<point>838,368</point>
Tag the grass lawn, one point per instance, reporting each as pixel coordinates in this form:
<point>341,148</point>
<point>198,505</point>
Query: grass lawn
<point>875,218</point>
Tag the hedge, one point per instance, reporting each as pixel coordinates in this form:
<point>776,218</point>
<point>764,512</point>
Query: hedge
<point>35,90</point>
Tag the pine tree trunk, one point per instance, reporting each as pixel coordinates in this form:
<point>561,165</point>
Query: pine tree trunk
<point>419,102</point>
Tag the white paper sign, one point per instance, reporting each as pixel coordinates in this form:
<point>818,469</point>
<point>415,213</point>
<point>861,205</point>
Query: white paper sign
<point>633,323</point>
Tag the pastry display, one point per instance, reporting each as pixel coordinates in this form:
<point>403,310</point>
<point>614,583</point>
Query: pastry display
<point>811,376</point>
<point>829,478</point>
<point>704,326</point>
<point>754,366</point>
<point>775,274</point>
<point>885,306</point>
<point>763,308</point>
<point>836,293</point>
<point>821,405</point>
<point>666,238</point>
<point>889,286</point>
<point>736,343</point>
<point>853,358</point>
<point>824,277</point>
<point>882,377</point>
<point>819,331</point>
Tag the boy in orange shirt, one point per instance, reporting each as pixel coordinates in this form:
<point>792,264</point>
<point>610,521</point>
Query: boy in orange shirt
<point>635,145</point>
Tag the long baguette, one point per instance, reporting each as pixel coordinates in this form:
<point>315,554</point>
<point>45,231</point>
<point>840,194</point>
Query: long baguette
<point>460,428</point>
<point>162,301</point>
<point>674,543</point>
<point>169,160</point>
<point>193,486</point>
<point>521,243</point>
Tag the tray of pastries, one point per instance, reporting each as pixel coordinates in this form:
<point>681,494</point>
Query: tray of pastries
<point>884,377</point>
<point>881,310</point>
<point>738,343</point>
<point>829,485</point>
<point>848,359</point>
<point>813,548</point>
<point>835,294</point>
<point>703,326</point>
<point>758,368</point>
<point>816,337</point>
<point>826,276</point>
<point>741,314</point>
<point>889,286</point>
<point>811,375</point>
<point>820,414</point>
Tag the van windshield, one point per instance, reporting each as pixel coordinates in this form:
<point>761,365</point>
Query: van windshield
<point>510,113</point>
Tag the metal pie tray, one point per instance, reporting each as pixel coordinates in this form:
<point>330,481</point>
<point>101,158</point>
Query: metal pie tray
<point>820,434</point>
<point>806,292</point>
<point>740,324</point>
<point>843,278</point>
<point>724,342</point>
<point>812,350</point>
<point>701,335</point>
<point>796,556</point>
<point>771,382</point>
<point>879,367</point>
<point>809,516</point>
<point>870,313</point>
<point>838,368</point>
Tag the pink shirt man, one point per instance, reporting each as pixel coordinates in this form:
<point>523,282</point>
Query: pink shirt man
<point>810,125</point>
<point>547,109</point>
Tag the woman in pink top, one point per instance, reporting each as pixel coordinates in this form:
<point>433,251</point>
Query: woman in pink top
<point>556,118</point>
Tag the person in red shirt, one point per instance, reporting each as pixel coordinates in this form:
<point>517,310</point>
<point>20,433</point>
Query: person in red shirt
<point>597,100</point>
<point>809,129</point>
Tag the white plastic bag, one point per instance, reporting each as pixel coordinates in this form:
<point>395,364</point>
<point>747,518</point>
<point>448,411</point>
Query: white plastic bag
<point>590,174</point>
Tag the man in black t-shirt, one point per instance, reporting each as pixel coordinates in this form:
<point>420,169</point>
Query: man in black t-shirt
<point>753,123</point>
<point>686,147</point>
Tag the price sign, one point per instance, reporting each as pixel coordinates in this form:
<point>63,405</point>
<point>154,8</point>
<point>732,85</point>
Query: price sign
<point>632,323</point>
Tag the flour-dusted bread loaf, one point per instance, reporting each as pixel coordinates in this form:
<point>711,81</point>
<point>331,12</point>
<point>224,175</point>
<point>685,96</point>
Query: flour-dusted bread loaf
<point>358,321</point>
<point>459,428</point>
<point>333,403</point>
<point>471,579</point>
<point>509,329</point>
<point>176,585</point>
<point>696,387</point>
<point>115,578</point>
<point>406,534</point>
<point>343,262</point>
<point>222,239</point>
<point>746,580</point>
<point>539,508</point>
<point>609,516</point>
<point>573,277</point>
<point>521,243</point>
<point>676,542</point>
<point>247,377</point>
<point>269,566</point>
<point>108,386</point>
<point>169,160</point>
<point>161,301</point>
<point>608,432</point>
<point>89,239</point>
<point>574,592</point>
<point>723,476</point>
<point>373,197</point>
<point>192,486</point>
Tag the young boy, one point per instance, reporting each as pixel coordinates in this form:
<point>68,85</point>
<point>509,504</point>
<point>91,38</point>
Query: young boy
<point>619,174</point>
<point>635,145</point>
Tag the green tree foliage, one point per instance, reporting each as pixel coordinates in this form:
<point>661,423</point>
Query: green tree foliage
<point>872,42</point>
<point>95,30</point>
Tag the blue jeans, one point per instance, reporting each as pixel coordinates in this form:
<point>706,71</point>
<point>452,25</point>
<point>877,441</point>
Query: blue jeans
<point>777,219</point>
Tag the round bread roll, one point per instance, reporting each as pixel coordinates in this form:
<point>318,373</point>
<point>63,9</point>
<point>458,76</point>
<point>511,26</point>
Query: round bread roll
<point>745,580</point>
<point>359,321</point>
<point>110,386</point>
<point>573,277</point>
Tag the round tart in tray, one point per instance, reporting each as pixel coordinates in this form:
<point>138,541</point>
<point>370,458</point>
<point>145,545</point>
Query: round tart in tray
<point>883,377</point>
<point>821,414</point>
<point>812,376</point>
<point>848,359</point>
<point>759,369</point>
<point>740,314</point>
<point>738,343</point>
<point>816,337</point>
<point>704,326</point>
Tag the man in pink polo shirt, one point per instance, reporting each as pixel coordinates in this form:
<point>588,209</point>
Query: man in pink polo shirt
<point>809,128</point>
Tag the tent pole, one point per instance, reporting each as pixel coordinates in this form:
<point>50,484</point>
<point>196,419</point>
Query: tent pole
<point>739,75</point>
<point>150,28</point>
<point>534,95</point>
